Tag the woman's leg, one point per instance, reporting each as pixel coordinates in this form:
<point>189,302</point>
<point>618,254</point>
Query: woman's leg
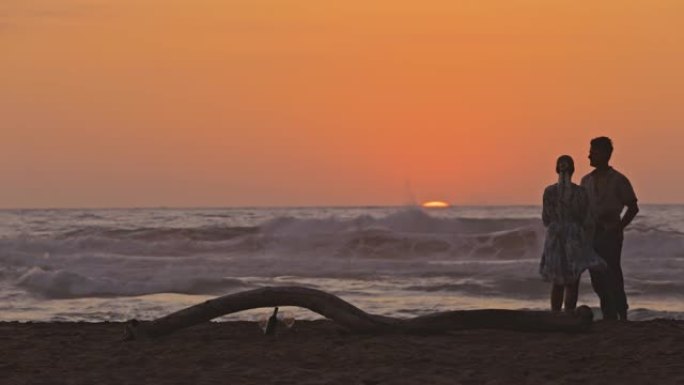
<point>557,297</point>
<point>571,294</point>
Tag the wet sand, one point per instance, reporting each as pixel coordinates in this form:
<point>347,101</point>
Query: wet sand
<point>319,352</point>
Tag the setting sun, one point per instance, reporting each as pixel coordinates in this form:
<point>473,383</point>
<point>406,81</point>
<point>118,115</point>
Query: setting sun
<point>435,204</point>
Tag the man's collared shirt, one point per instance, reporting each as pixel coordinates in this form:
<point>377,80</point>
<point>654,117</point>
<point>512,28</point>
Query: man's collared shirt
<point>608,196</point>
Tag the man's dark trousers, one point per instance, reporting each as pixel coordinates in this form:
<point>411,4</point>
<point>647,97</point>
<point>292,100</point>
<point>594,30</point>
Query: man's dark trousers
<point>609,284</point>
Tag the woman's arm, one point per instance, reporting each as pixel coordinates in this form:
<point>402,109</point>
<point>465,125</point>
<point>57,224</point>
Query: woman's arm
<point>547,207</point>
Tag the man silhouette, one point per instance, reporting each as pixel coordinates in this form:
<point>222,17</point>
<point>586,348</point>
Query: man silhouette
<point>609,193</point>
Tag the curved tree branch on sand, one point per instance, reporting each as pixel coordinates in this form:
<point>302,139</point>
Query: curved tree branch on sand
<point>356,320</point>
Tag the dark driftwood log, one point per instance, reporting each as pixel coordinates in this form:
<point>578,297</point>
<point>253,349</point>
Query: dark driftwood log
<point>356,320</point>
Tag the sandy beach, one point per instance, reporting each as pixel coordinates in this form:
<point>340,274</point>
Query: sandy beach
<point>319,352</point>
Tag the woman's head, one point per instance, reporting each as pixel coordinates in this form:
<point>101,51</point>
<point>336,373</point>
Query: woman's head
<point>565,164</point>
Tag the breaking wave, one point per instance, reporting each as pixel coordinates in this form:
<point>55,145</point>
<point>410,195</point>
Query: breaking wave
<point>421,252</point>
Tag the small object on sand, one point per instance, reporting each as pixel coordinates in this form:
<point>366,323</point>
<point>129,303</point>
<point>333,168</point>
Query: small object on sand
<point>129,330</point>
<point>288,320</point>
<point>272,323</point>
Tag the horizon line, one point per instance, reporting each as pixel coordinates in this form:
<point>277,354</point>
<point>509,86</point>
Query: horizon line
<point>313,206</point>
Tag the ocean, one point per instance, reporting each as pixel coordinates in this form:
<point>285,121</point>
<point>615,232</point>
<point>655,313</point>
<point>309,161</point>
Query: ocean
<point>118,264</point>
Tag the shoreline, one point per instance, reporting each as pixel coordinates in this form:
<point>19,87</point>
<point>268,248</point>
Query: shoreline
<point>321,352</point>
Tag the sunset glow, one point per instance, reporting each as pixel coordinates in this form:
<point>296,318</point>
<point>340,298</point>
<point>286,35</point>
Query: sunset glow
<point>114,103</point>
<point>435,205</point>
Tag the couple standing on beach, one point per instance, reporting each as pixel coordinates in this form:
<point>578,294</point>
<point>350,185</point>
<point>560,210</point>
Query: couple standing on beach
<point>585,229</point>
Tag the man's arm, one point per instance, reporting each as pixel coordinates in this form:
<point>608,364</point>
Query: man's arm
<point>629,198</point>
<point>632,211</point>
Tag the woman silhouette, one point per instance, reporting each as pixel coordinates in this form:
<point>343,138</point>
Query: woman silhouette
<point>567,248</point>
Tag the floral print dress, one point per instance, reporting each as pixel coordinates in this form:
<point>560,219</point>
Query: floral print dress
<point>568,249</point>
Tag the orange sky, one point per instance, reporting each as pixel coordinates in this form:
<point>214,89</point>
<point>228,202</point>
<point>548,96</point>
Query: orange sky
<point>111,103</point>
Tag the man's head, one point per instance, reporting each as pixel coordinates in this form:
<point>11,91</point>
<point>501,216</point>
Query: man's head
<point>566,164</point>
<point>600,151</point>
